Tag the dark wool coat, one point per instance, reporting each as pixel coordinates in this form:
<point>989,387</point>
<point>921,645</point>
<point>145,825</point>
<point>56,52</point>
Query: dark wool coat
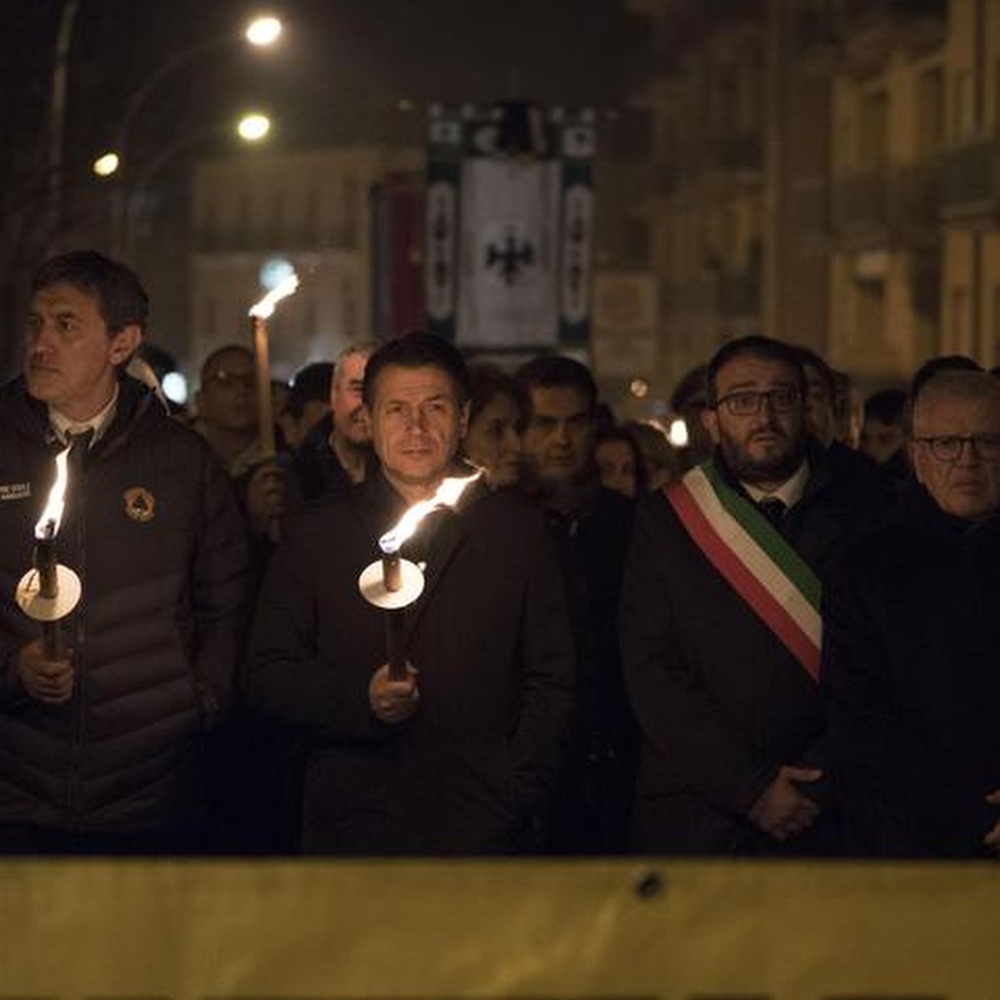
<point>491,640</point>
<point>721,702</point>
<point>911,676</point>
<point>152,529</point>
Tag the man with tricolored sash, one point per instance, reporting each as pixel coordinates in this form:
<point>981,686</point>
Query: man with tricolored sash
<point>722,623</point>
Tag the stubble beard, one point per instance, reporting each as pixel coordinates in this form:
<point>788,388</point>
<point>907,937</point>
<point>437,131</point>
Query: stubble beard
<point>774,468</point>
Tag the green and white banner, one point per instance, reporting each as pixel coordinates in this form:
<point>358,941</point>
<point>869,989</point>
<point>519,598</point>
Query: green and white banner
<point>509,227</point>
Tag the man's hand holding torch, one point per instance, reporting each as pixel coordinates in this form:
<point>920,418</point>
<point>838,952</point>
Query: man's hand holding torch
<point>393,701</point>
<point>48,593</point>
<point>48,680</point>
<point>393,584</point>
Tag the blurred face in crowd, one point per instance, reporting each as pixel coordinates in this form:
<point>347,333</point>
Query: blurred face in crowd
<point>956,449</point>
<point>616,462</point>
<point>559,439</point>
<point>71,355</point>
<point>821,416</point>
<point>699,441</point>
<point>880,441</point>
<point>493,441</point>
<point>417,422</point>
<point>758,422</point>
<point>350,419</point>
<point>228,394</point>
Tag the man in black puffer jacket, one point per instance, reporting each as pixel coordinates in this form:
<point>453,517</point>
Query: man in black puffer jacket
<point>101,747</point>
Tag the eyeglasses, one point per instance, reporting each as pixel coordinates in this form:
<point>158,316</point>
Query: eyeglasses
<point>747,402</point>
<point>948,447</point>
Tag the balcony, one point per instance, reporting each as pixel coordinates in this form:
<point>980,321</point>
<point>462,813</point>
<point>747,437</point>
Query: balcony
<point>872,32</point>
<point>900,204</point>
<point>970,180</point>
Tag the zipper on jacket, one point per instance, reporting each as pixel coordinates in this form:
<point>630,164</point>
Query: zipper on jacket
<point>79,658</point>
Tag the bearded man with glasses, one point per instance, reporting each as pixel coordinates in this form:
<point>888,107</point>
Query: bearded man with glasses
<point>910,665</point>
<point>721,624</point>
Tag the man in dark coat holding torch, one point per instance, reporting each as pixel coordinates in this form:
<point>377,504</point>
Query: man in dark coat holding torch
<point>100,747</point>
<point>461,754</point>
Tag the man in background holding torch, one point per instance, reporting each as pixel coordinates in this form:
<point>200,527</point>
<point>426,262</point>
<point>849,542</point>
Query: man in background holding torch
<point>460,755</point>
<point>100,749</point>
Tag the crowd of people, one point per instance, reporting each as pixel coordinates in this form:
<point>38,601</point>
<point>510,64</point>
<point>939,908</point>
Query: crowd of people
<point>773,640</point>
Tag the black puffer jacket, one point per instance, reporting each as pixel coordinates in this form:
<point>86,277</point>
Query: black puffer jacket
<point>153,531</point>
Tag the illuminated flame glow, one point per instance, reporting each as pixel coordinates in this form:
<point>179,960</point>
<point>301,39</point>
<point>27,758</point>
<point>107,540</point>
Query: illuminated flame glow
<point>48,523</point>
<point>447,495</point>
<point>265,308</point>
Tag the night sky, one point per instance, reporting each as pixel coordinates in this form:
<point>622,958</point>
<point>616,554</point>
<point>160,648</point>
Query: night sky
<point>342,68</point>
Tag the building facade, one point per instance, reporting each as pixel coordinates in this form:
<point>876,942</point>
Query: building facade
<point>827,171</point>
<point>318,211</point>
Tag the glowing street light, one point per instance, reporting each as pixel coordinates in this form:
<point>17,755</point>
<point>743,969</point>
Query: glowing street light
<point>253,127</point>
<point>106,164</point>
<point>263,31</point>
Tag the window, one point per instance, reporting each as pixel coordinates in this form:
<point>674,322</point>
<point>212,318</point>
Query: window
<point>930,113</point>
<point>872,138</point>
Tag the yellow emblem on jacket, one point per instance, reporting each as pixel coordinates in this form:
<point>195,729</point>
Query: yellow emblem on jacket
<point>140,504</point>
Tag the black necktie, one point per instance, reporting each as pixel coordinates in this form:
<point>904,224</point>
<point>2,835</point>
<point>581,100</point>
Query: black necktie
<point>78,445</point>
<point>773,509</point>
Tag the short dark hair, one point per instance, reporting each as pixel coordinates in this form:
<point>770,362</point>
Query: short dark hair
<point>417,349</point>
<point>219,352</point>
<point>121,299</point>
<point>556,371</point>
<point>809,358</point>
<point>690,391</point>
<point>888,406</point>
<point>623,433</point>
<point>486,382</point>
<point>757,346</point>
<point>310,384</point>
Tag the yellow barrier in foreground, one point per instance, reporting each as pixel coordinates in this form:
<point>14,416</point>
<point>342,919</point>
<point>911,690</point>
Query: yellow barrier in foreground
<point>134,930</point>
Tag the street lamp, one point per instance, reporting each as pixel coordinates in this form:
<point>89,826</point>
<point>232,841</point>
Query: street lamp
<point>251,128</point>
<point>261,32</point>
<point>106,164</point>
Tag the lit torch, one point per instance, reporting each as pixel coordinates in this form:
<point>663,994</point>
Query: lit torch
<point>393,583</point>
<point>49,592</point>
<point>259,314</point>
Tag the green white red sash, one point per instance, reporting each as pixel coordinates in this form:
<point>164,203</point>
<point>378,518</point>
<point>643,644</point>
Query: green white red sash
<point>754,559</point>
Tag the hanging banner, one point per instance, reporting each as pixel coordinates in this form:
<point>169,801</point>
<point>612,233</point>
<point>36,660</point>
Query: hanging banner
<point>509,227</point>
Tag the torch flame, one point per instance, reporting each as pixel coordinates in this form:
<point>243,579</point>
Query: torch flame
<point>447,495</point>
<point>265,308</point>
<point>48,523</point>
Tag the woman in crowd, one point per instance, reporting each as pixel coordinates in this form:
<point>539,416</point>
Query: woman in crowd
<point>497,414</point>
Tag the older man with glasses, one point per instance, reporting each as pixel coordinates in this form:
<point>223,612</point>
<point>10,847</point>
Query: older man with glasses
<point>720,620</point>
<point>910,666</point>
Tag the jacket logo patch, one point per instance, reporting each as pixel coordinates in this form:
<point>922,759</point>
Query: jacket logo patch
<point>15,491</point>
<point>140,504</point>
